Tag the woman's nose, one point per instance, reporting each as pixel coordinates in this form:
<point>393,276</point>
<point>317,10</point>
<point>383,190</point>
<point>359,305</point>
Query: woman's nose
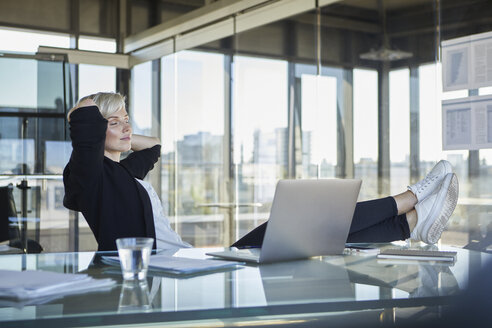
<point>127,127</point>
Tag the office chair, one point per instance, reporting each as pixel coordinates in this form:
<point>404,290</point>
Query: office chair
<point>10,229</point>
<point>481,244</point>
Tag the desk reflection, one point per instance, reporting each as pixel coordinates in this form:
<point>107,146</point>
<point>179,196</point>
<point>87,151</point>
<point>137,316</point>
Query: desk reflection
<point>134,297</point>
<point>331,283</point>
<point>412,279</point>
<point>305,281</point>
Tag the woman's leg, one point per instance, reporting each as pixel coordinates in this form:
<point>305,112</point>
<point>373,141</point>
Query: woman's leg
<point>373,212</point>
<point>405,202</point>
<point>412,219</point>
<point>369,216</point>
<point>391,229</point>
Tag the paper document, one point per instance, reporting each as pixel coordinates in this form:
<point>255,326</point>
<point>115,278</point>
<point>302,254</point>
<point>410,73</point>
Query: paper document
<point>417,254</point>
<point>31,285</point>
<point>178,265</point>
<point>467,123</point>
<point>467,62</point>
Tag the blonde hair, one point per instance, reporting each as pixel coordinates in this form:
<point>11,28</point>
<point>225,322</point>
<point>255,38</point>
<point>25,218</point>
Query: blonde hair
<point>108,103</point>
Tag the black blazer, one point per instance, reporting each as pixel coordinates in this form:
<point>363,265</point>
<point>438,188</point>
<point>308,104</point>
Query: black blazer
<point>113,203</point>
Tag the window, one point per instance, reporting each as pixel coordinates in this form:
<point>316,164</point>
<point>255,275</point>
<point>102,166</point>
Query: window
<point>29,41</point>
<point>193,134</point>
<point>33,142</point>
<point>141,97</point>
<point>319,126</point>
<point>29,87</point>
<point>96,78</point>
<point>366,131</point>
<point>97,44</point>
<point>260,136</point>
<point>399,101</point>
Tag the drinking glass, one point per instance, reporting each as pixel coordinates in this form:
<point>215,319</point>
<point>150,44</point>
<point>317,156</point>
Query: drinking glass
<point>134,254</point>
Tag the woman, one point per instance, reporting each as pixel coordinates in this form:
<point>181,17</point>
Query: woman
<point>110,193</point>
<point>116,202</point>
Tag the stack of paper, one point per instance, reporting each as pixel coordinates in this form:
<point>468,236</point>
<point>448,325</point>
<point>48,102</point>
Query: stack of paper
<point>37,287</point>
<point>418,254</point>
<point>179,265</point>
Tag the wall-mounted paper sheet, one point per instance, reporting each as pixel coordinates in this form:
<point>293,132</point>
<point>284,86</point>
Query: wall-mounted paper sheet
<point>467,62</point>
<point>467,123</point>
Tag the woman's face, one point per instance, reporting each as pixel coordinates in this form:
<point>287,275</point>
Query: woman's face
<point>118,135</point>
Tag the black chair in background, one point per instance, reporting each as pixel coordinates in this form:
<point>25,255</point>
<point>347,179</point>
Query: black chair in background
<point>10,225</point>
<point>480,243</point>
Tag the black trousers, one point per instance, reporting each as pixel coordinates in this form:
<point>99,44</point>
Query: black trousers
<point>373,221</point>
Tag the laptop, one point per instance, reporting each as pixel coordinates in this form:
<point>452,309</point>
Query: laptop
<point>308,218</point>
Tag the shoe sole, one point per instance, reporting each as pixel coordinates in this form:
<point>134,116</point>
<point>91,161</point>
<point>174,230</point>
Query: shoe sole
<point>448,198</point>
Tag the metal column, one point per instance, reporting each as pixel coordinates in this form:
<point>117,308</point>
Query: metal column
<point>156,174</point>
<point>414,124</point>
<point>291,130</point>
<point>123,76</point>
<point>345,125</point>
<point>227,191</point>
<point>473,155</point>
<point>383,129</point>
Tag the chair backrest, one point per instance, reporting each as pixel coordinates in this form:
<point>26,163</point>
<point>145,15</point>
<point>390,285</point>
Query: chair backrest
<point>8,230</point>
<point>10,226</point>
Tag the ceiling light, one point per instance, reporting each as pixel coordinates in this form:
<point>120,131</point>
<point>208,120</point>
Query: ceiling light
<point>385,54</point>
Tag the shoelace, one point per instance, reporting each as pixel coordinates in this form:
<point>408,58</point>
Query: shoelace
<point>426,182</point>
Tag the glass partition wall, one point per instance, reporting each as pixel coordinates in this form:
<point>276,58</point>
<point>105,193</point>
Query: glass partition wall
<point>351,89</point>
<point>34,147</point>
<point>192,171</point>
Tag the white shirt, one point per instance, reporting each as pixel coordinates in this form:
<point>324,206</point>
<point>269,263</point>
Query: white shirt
<point>166,237</point>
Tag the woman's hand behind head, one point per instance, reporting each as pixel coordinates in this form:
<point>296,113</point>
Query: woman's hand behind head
<point>85,102</point>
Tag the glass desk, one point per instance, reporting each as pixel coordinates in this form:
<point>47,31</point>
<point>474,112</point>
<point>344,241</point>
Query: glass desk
<point>352,282</point>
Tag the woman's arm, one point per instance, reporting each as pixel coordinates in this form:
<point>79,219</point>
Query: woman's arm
<point>83,173</point>
<point>84,103</point>
<point>146,152</point>
<point>140,142</point>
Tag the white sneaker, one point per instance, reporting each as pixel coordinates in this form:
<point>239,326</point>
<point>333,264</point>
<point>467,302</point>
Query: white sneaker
<point>434,212</point>
<point>425,187</point>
